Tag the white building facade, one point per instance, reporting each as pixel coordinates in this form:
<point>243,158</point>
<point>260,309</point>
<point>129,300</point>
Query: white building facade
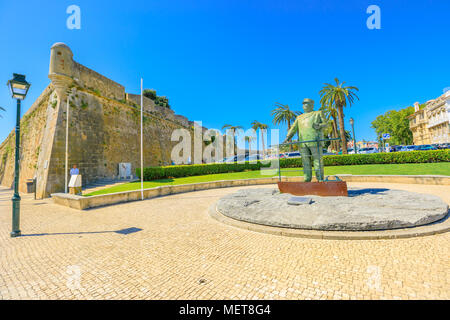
<point>438,114</point>
<point>431,124</point>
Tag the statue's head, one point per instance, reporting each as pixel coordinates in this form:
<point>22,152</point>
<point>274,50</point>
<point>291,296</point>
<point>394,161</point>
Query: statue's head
<point>308,105</point>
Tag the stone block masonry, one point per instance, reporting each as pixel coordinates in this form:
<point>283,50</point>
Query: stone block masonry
<point>32,129</point>
<point>104,129</point>
<point>90,79</point>
<point>150,107</point>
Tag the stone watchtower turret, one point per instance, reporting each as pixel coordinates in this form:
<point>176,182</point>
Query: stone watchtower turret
<point>61,68</point>
<point>50,168</point>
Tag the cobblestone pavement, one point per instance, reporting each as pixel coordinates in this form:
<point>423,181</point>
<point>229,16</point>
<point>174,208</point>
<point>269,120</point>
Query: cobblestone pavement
<point>182,253</point>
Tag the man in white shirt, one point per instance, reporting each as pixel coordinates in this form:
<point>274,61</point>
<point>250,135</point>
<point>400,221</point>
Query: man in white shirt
<point>75,185</point>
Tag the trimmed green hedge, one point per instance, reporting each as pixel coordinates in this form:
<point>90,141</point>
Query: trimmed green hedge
<point>154,173</point>
<point>376,158</point>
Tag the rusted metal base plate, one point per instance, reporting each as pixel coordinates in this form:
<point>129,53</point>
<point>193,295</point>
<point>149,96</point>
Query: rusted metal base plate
<point>324,189</point>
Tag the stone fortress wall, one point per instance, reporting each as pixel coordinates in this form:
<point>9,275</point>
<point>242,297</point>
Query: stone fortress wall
<point>90,79</point>
<point>150,107</point>
<point>104,129</point>
<point>32,127</point>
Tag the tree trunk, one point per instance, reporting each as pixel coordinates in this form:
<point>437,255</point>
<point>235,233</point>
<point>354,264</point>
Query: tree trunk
<point>235,143</point>
<point>264,148</point>
<point>342,129</point>
<point>335,145</point>
<point>290,140</point>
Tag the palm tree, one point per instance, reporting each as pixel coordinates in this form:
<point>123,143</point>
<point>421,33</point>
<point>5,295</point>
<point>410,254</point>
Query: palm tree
<point>263,127</point>
<point>328,133</point>
<point>1,109</point>
<point>233,131</point>
<point>339,97</point>
<point>283,114</point>
<point>249,140</point>
<point>331,115</point>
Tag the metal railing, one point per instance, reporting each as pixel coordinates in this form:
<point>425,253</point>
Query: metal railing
<point>317,141</point>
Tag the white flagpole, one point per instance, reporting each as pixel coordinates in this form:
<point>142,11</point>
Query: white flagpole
<point>142,140</point>
<point>66,166</point>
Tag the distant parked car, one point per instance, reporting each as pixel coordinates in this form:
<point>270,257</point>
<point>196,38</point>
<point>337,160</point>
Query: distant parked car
<point>443,145</point>
<point>395,148</point>
<point>368,150</point>
<point>352,150</point>
<point>408,148</point>
<point>233,159</point>
<point>426,147</point>
<point>253,157</point>
<point>242,158</point>
<point>228,160</point>
<point>292,154</point>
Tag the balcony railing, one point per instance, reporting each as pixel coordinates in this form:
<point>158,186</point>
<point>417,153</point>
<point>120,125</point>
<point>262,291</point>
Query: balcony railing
<point>437,121</point>
<point>417,123</point>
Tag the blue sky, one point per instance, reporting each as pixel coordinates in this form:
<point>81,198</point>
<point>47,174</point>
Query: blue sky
<point>227,61</point>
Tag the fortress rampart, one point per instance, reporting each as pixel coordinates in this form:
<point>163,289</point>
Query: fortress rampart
<point>104,129</point>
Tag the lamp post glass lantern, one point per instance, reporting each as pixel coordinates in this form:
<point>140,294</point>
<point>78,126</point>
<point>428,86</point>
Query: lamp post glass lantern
<point>19,89</point>
<point>18,86</point>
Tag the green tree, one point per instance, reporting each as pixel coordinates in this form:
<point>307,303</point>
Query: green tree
<point>331,131</point>
<point>339,96</point>
<point>150,93</point>
<point>395,123</point>
<point>233,132</point>
<point>348,135</point>
<point>208,142</point>
<point>249,140</point>
<point>160,101</point>
<point>283,114</point>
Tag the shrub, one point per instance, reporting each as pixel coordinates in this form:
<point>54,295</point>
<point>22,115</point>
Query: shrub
<point>151,94</point>
<point>161,101</point>
<point>389,158</point>
<point>375,158</point>
<point>154,173</point>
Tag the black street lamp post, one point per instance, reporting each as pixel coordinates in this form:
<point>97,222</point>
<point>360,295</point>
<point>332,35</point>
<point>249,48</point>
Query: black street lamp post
<point>19,89</point>
<point>352,122</point>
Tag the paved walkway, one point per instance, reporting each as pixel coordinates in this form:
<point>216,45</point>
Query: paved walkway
<point>176,251</point>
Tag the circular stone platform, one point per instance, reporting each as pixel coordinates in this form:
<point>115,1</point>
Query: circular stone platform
<point>363,210</point>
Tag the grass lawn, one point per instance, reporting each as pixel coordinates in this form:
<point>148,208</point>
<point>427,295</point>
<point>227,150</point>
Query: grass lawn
<point>441,168</point>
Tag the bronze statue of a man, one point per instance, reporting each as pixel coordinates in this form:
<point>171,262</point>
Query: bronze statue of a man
<point>309,126</point>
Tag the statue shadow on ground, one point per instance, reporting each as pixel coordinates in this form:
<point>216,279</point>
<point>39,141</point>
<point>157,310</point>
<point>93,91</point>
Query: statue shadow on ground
<point>123,231</point>
<point>360,192</point>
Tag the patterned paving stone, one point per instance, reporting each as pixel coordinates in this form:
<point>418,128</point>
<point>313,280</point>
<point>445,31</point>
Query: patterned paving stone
<point>182,253</point>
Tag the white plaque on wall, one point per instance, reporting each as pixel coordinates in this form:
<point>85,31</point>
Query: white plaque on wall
<point>125,171</point>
